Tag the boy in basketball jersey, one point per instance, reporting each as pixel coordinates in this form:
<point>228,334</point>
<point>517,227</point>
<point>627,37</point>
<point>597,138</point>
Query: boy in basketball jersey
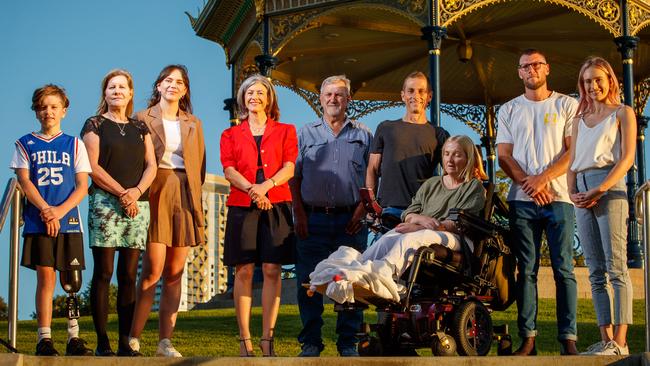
<point>52,170</point>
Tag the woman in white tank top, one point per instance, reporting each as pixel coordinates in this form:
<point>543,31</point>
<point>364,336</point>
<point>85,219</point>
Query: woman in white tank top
<point>602,151</point>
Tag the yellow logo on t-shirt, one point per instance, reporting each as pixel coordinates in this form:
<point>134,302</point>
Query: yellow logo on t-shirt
<point>550,118</point>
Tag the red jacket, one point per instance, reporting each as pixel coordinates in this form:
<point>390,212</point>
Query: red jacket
<point>239,150</point>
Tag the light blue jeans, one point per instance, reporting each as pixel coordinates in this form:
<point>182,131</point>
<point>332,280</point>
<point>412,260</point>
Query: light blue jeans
<point>603,234</point>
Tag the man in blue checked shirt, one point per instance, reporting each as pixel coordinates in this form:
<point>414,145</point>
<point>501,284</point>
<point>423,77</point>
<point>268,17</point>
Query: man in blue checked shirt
<point>330,170</point>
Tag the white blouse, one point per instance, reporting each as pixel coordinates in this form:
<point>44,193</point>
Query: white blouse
<point>173,156</point>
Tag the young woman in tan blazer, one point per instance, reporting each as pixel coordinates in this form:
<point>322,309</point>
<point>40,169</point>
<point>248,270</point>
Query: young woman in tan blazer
<point>177,221</point>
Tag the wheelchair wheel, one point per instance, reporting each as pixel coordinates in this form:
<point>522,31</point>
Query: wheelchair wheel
<point>472,329</point>
<point>443,346</point>
<point>370,347</point>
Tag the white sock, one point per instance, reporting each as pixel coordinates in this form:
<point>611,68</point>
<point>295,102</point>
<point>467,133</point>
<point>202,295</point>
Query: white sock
<point>73,329</point>
<point>44,332</point>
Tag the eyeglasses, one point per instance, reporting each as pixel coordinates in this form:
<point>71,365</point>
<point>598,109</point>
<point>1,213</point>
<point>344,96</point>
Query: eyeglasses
<point>534,65</point>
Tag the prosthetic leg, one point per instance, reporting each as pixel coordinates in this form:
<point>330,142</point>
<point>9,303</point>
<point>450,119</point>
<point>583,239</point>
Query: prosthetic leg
<point>71,283</point>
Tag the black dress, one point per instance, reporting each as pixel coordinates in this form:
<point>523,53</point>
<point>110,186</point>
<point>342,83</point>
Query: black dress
<point>258,236</point>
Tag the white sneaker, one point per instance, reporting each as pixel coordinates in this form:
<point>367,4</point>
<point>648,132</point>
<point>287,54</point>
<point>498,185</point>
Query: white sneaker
<point>134,343</point>
<point>612,348</point>
<point>596,347</point>
<point>165,349</point>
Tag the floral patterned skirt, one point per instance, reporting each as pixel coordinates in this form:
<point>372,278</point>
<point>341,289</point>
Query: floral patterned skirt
<point>110,227</point>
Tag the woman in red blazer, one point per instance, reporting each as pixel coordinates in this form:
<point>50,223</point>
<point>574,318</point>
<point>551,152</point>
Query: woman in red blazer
<point>258,158</point>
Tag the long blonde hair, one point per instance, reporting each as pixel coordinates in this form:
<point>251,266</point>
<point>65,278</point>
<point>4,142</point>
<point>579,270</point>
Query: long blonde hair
<point>585,104</point>
<point>474,167</point>
<point>103,106</point>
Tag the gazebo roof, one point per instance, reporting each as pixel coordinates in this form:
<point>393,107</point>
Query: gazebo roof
<point>376,43</point>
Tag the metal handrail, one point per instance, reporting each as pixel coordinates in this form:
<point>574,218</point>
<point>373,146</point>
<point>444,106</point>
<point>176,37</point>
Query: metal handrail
<point>12,199</point>
<point>642,203</point>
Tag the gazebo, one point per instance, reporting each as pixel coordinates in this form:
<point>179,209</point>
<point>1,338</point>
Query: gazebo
<point>469,47</point>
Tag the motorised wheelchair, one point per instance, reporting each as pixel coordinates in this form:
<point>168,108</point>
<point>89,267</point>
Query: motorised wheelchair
<point>449,295</point>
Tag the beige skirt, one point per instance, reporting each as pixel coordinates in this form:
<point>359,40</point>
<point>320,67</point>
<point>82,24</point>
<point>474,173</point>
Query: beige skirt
<point>172,222</point>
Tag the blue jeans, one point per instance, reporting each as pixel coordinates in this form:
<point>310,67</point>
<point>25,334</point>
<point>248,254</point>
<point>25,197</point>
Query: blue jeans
<point>326,234</point>
<point>527,222</point>
<point>603,233</point>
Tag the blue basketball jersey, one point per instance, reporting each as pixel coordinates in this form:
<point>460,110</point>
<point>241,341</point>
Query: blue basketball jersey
<point>51,170</point>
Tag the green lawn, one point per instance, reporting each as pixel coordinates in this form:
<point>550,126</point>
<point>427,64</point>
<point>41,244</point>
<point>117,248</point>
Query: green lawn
<point>214,332</point>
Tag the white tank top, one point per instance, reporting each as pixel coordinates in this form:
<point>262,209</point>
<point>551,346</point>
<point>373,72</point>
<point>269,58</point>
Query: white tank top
<point>598,146</point>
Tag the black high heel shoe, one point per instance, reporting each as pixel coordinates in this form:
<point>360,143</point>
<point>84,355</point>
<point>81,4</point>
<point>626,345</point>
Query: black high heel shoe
<point>242,344</point>
<point>271,348</point>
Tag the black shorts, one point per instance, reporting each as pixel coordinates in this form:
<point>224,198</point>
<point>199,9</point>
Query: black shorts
<point>63,253</point>
<point>256,236</point>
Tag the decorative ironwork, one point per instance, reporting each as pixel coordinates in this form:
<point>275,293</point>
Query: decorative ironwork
<point>192,19</point>
<point>266,63</point>
<point>638,18</point>
<point>412,9</point>
<point>356,108</point>
<point>434,35</point>
<point>360,108</point>
<point>641,94</point>
<point>473,116</point>
<point>413,6</point>
<point>310,97</point>
<point>259,9</point>
<point>285,27</point>
<point>244,72</point>
<point>607,13</point>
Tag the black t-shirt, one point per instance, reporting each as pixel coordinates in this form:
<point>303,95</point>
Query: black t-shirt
<point>121,155</point>
<point>410,153</point>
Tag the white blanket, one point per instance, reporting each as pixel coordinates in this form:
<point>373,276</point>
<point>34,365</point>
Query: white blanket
<point>375,269</point>
<point>346,262</point>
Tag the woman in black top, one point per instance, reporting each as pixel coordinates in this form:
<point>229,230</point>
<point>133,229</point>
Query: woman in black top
<point>123,166</point>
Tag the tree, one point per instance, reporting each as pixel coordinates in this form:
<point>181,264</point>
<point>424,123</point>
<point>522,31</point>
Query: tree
<point>4,310</point>
<point>84,302</point>
<point>60,308</point>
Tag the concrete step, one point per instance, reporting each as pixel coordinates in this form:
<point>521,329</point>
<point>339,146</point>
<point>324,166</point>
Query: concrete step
<point>633,360</point>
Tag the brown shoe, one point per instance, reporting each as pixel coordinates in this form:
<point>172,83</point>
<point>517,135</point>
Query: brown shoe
<point>568,347</point>
<point>527,348</point>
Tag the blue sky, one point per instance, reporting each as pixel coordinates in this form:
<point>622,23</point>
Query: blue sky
<point>74,43</point>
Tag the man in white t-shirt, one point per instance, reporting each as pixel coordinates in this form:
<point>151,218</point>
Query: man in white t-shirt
<point>533,140</point>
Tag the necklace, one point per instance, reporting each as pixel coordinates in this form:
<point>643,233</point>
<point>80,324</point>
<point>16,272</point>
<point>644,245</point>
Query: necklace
<point>122,127</point>
<point>257,130</point>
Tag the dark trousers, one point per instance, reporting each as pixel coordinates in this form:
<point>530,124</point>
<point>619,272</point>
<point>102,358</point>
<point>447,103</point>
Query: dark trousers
<point>326,234</point>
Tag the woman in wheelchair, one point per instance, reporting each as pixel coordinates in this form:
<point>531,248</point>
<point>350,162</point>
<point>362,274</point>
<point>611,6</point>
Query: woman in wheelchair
<point>424,224</point>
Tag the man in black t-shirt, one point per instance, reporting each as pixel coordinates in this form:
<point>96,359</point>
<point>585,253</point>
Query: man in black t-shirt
<point>405,152</point>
